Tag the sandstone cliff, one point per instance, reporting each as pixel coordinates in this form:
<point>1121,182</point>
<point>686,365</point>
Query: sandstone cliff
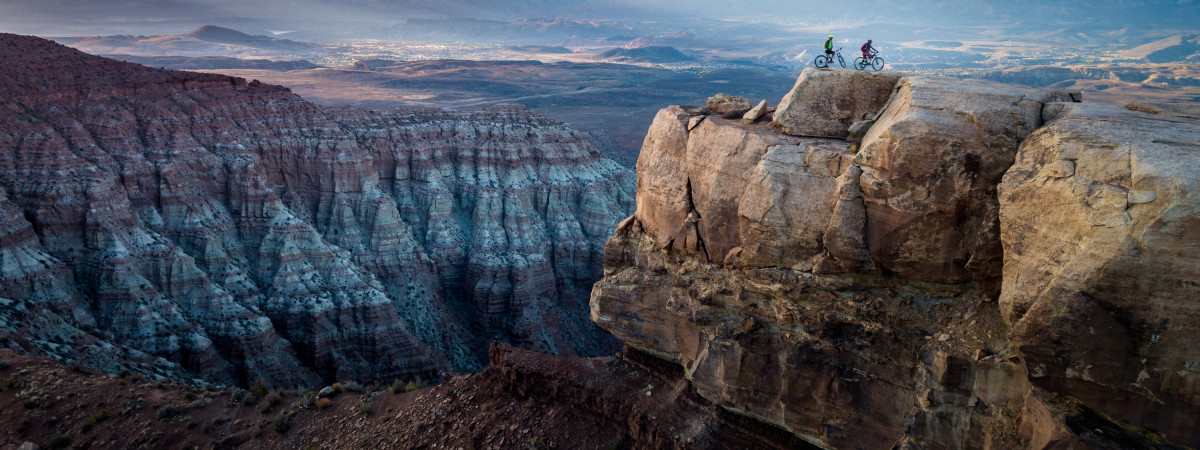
<point>938,263</point>
<point>199,226</point>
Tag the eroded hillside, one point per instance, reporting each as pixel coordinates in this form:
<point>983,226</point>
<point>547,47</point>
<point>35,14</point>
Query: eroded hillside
<point>200,227</point>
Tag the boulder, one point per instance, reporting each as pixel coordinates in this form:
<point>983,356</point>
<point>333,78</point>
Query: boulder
<point>722,104</point>
<point>1100,222</point>
<point>326,391</point>
<point>824,103</point>
<point>754,113</point>
<point>931,163</point>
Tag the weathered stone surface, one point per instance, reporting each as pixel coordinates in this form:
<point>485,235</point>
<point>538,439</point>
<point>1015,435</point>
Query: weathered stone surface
<point>234,232</point>
<point>930,166</point>
<point>858,130</point>
<point>845,236</point>
<point>728,191</point>
<point>722,103</point>
<point>856,303</point>
<point>824,103</point>
<point>787,203</point>
<point>755,113</point>
<point>1100,219</point>
<point>842,364</point>
<point>1181,110</point>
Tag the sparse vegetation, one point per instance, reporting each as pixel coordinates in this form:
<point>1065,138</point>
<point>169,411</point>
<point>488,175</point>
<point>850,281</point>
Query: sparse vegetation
<point>60,441</point>
<point>364,409</point>
<point>282,423</point>
<point>260,389</point>
<point>269,402</point>
<point>239,394</point>
<point>169,412</point>
<point>323,403</point>
<point>100,416</point>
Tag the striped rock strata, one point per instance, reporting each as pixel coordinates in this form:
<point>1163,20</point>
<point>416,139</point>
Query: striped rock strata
<point>199,226</point>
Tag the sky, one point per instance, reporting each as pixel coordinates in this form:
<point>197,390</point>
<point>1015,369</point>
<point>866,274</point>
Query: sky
<point>91,17</point>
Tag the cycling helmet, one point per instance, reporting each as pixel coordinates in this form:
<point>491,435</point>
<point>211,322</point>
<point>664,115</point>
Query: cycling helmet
<point>831,35</point>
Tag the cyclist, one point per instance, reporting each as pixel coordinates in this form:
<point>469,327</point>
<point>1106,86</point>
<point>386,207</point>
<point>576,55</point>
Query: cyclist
<point>868,50</point>
<point>829,47</point>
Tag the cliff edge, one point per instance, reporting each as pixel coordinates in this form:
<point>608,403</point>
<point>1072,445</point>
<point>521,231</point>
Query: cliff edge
<point>939,263</point>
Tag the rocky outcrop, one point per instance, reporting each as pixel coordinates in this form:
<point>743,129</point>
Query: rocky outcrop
<point>931,164</point>
<point>1099,218</point>
<point>826,102</point>
<point>922,290</point>
<point>234,232</point>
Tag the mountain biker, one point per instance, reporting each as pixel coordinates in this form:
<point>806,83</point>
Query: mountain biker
<point>829,47</point>
<point>868,50</point>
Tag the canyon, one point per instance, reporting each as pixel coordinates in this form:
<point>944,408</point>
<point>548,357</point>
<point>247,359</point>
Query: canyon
<point>927,263</point>
<point>205,228</point>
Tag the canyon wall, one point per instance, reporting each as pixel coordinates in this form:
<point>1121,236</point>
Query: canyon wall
<point>939,263</point>
<point>201,227</point>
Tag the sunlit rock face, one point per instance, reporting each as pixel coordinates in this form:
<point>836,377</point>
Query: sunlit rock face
<point>198,226</point>
<point>991,267</point>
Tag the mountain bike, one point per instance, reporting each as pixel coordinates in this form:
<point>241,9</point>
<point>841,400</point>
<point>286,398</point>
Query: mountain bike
<point>823,61</point>
<point>874,62</point>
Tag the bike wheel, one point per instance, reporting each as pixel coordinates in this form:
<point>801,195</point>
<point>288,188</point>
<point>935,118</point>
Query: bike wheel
<point>841,61</point>
<point>860,63</point>
<point>877,63</point>
<point>821,62</point>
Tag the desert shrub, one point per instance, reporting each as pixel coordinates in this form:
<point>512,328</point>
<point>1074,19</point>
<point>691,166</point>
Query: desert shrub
<point>412,386</point>
<point>373,388</point>
<point>169,412</point>
<point>260,389</point>
<point>13,382</point>
<point>323,403</point>
<point>100,416</point>
<point>397,387</point>
<point>281,423</point>
<point>239,394</point>
<point>29,404</point>
<point>364,409</point>
<point>269,402</point>
<point>351,386</point>
<point>59,441</point>
<point>337,388</point>
<point>200,403</point>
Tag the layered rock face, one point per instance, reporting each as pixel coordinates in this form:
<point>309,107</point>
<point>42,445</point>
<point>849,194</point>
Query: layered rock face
<point>992,267</point>
<point>196,225</point>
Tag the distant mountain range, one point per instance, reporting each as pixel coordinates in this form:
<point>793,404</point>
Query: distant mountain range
<point>204,41</point>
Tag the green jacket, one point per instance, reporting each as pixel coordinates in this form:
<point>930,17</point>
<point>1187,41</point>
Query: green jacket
<point>829,44</point>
